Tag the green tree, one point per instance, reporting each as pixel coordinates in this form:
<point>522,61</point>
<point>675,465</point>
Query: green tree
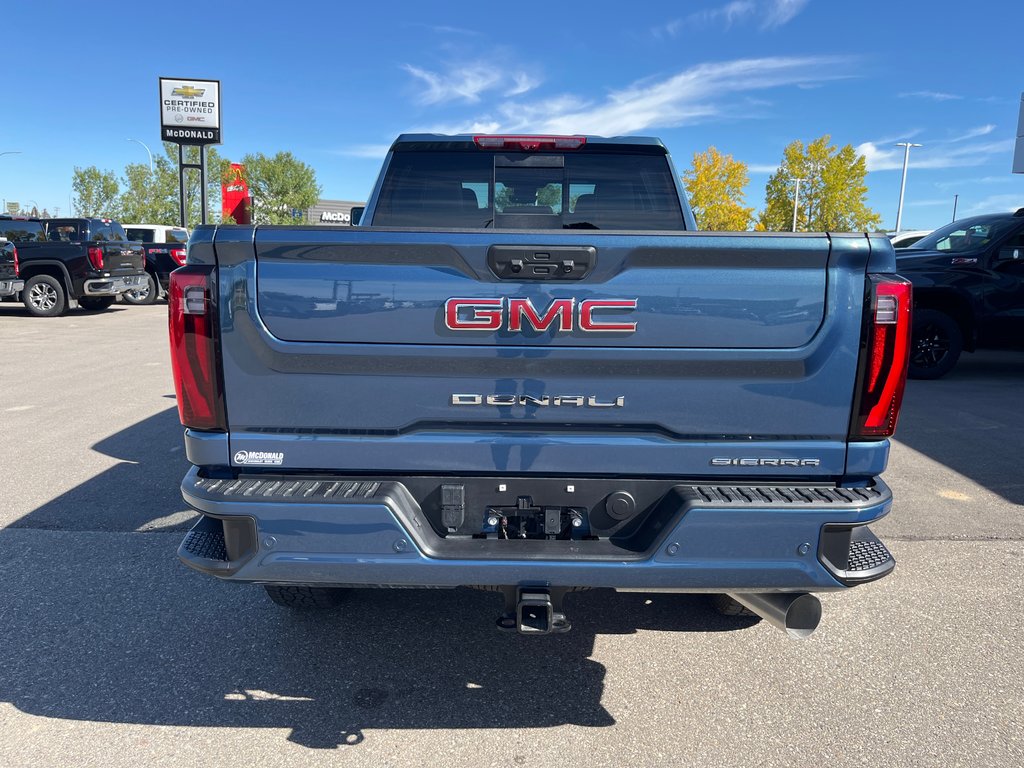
<point>151,197</point>
<point>833,190</point>
<point>279,185</point>
<point>96,192</point>
<point>714,184</point>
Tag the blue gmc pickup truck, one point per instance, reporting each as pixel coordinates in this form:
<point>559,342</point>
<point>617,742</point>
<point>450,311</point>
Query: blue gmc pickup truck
<point>526,371</point>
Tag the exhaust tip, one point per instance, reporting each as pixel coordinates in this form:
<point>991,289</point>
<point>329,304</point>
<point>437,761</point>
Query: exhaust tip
<point>803,617</point>
<point>796,614</point>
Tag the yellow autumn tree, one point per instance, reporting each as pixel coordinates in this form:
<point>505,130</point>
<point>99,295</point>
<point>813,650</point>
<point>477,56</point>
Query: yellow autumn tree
<point>714,184</point>
<point>833,190</point>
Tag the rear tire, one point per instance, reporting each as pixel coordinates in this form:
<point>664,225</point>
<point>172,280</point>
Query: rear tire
<point>148,294</point>
<point>936,344</point>
<point>726,606</point>
<point>43,296</point>
<point>306,598</point>
<point>96,303</point>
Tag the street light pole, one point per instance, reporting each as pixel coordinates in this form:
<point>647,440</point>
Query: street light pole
<point>147,152</point>
<point>796,200</point>
<point>903,184</point>
<point>956,199</point>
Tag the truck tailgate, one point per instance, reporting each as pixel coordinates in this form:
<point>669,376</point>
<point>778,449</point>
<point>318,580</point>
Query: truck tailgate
<point>339,352</point>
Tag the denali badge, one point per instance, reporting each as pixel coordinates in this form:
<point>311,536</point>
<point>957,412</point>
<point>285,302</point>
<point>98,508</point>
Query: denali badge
<point>260,458</point>
<point>516,315</point>
<point>577,401</point>
<point>726,462</point>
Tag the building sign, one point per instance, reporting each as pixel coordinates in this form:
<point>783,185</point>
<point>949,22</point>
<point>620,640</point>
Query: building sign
<point>190,111</point>
<point>234,195</point>
<point>335,217</point>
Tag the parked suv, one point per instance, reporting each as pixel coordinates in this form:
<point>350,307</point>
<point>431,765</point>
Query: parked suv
<point>968,281</point>
<point>165,252</point>
<point>84,259</point>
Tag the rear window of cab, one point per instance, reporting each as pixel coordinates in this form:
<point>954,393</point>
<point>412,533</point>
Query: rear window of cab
<point>460,189</point>
<point>22,231</point>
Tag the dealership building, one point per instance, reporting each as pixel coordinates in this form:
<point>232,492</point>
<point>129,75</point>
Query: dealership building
<point>331,212</point>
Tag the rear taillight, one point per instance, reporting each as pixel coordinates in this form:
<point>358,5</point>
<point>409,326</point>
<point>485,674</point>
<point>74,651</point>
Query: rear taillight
<point>178,254</point>
<point>17,269</point>
<point>96,257</point>
<point>192,324</point>
<point>530,143</point>
<point>885,354</point>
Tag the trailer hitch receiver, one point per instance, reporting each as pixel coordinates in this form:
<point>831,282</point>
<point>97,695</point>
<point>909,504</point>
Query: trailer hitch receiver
<point>533,611</point>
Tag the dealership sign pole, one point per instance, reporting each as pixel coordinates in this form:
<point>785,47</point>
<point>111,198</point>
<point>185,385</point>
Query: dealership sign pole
<point>190,117</point>
<point>1018,152</point>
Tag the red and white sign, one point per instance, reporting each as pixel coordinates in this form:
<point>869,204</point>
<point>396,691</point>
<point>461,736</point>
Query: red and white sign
<point>234,195</point>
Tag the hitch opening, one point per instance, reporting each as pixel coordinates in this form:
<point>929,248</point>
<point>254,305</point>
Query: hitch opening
<point>534,611</point>
<point>534,614</point>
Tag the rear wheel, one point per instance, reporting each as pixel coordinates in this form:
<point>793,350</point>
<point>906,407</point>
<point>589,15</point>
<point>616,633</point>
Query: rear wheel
<point>96,303</point>
<point>147,294</point>
<point>936,345</point>
<point>306,598</point>
<point>44,296</point>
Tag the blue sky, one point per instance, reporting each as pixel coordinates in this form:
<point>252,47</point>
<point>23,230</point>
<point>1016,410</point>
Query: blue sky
<point>335,82</point>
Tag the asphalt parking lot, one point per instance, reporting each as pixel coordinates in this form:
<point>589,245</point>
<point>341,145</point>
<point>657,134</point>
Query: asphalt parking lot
<point>114,654</point>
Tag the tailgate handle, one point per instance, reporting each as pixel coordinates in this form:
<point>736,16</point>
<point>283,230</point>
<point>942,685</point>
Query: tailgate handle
<point>527,262</point>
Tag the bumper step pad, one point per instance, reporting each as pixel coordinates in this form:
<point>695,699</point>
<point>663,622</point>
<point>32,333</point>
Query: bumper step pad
<point>855,555</point>
<point>208,545</point>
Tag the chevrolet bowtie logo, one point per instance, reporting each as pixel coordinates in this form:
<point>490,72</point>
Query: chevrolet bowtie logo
<point>188,92</point>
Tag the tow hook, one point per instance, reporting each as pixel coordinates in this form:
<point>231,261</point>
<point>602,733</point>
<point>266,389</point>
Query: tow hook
<point>534,611</point>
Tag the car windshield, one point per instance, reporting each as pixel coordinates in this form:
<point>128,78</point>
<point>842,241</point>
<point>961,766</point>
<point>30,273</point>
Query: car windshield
<point>968,234</point>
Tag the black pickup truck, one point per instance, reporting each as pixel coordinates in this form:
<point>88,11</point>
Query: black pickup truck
<point>83,259</point>
<point>968,282</point>
<point>10,279</point>
<point>165,252</point>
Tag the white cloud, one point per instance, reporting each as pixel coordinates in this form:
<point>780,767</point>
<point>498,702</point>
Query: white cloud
<point>443,29</point>
<point>693,95</point>
<point>903,136</point>
<point>938,154</point>
<point>522,83</point>
<point>782,12</point>
<point>991,204</point>
<point>459,83</point>
<point>374,151</point>
<point>981,130</point>
<point>927,203</point>
<point>729,13</point>
<point>932,95</point>
<point>980,180</point>
<point>467,82</point>
<point>772,13</point>
<point>762,168</point>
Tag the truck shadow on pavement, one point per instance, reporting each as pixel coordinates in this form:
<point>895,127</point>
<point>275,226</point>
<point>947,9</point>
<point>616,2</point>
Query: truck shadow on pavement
<point>972,420</point>
<point>138,494</point>
<point>99,622</point>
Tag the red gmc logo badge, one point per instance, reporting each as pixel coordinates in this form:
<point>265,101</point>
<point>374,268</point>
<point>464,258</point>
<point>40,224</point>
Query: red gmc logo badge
<point>565,315</point>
